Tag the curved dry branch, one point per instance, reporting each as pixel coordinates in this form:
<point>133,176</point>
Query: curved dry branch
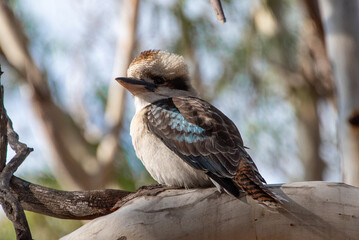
<point>81,205</point>
<point>10,204</point>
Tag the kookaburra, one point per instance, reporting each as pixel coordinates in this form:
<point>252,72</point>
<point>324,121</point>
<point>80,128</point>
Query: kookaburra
<point>182,140</point>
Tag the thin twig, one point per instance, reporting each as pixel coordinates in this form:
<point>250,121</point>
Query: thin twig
<point>13,138</point>
<point>218,10</point>
<point>3,128</point>
<point>12,166</point>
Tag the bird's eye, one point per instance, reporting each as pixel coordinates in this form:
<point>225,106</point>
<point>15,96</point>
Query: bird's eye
<point>158,80</point>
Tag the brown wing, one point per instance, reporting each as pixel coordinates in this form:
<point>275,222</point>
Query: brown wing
<point>202,136</point>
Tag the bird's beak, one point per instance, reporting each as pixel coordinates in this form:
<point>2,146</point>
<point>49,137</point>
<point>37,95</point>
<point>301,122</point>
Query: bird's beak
<point>136,86</point>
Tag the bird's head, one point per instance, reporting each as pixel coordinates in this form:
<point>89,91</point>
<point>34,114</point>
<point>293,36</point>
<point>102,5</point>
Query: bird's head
<point>155,75</point>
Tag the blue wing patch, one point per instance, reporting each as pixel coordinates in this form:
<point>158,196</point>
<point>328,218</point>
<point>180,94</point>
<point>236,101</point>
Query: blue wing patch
<point>192,142</point>
<point>185,131</point>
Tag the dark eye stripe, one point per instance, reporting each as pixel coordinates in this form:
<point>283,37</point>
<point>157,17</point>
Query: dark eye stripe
<point>179,83</point>
<point>158,80</point>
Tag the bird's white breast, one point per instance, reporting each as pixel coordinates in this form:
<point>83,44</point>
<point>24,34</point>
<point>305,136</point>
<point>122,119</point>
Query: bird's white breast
<point>163,164</point>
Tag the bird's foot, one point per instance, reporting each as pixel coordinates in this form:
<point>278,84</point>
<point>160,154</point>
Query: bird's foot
<point>149,190</point>
<point>150,187</point>
<point>153,189</point>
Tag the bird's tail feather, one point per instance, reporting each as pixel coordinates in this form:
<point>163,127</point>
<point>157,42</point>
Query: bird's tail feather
<point>252,186</point>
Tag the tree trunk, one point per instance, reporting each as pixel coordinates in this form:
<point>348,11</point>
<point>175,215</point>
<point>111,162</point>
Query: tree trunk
<point>341,25</point>
<point>315,210</point>
<point>306,106</point>
<point>307,83</point>
<point>116,101</point>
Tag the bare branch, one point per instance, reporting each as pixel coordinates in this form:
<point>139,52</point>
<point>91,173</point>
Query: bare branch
<point>312,8</point>
<point>15,213</point>
<point>82,205</point>
<point>3,128</point>
<point>10,204</point>
<point>13,138</point>
<point>218,10</point>
<point>13,165</point>
<point>60,204</point>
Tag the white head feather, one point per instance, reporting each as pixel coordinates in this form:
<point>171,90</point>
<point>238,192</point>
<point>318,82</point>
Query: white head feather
<point>154,65</point>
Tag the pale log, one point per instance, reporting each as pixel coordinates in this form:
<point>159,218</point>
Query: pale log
<point>315,210</point>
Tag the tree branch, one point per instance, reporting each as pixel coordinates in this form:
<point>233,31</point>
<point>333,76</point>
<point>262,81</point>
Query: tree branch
<point>35,198</point>
<point>15,213</point>
<point>3,127</point>
<point>218,10</point>
<point>312,8</point>
<point>80,205</point>
<point>10,204</point>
